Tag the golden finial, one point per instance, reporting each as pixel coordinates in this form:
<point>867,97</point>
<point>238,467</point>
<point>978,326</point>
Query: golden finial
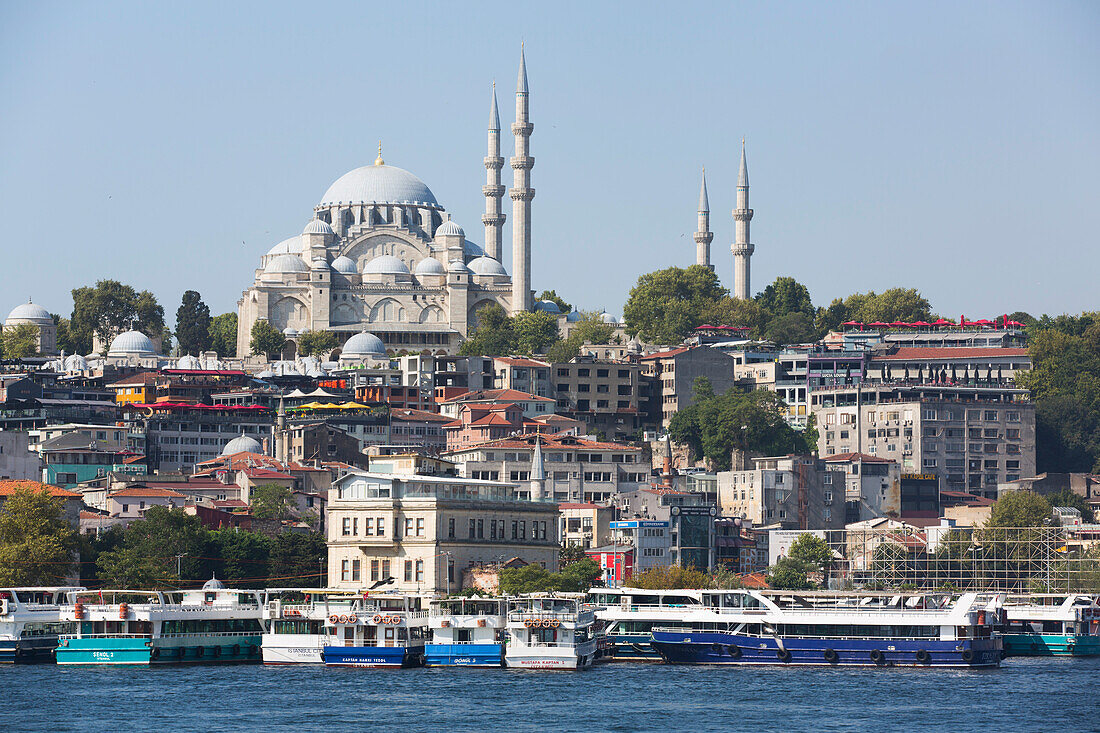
<point>378,160</point>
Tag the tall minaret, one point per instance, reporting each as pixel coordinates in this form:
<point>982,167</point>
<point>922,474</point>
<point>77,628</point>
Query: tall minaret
<point>538,475</point>
<point>521,193</point>
<point>742,249</point>
<point>703,235</point>
<point>494,192</point>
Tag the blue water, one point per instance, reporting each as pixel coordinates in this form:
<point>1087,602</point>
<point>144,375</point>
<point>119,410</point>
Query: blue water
<point>1024,695</point>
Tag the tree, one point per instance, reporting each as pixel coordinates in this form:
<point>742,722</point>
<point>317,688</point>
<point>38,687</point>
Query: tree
<point>317,343</point>
<point>670,577</point>
<point>534,332</point>
<point>270,501</point>
<point>223,334</point>
<point>527,579</point>
<point>36,542</point>
<point>64,338</point>
<point>110,308</point>
<point>666,305</point>
<point>813,552</point>
<point>789,574</point>
<point>193,324</point>
<point>494,335</point>
<point>245,557</point>
<point>266,339</point>
<point>786,296</point>
<point>570,554</point>
<point>20,341</point>
<point>553,297</point>
<point>1019,509</point>
<point>579,576</point>
<point>792,328</point>
<point>297,559</point>
<point>728,311</point>
<point>155,546</point>
<point>130,567</point>
<point>590,329</point>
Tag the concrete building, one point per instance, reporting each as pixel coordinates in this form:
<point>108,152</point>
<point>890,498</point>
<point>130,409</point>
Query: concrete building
<point>131,503</point>
<point>872,485</point>
<point>795,492</point>
<point>17,461</point>
<point>973,437</point>
<point>675,372</point>
<point>73,458</point>
<point>178,437</point>
<point>523,375</point>
<point>607,396</point>
<point>419,428</point>
<point>585,525</point>
<point>667,527</point>
<point>531,406</point>
<point>424,531</point>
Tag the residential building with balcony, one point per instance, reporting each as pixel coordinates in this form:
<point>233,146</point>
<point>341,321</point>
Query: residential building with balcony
<point>585,525</point>
<point>606,396</point>
<point>794,492</point>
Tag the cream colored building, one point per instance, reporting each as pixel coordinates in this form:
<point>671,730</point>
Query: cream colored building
<point>424,531</point>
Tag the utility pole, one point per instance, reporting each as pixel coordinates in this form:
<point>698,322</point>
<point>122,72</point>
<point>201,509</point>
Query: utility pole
<point>179,565</point>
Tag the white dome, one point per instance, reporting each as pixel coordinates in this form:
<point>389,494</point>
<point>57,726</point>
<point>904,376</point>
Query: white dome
<point>574,316</point>
<point>287,263</point>
<point>608,318</point>
<point>213,584</point>
<point>290,246</point>
<point>75,363</point>
<point>319,263</point>
<point>242,444</point>
<point>457,266</point>
<point>430,266</point>
<point>363,344</point>
<point>548,306</point>
<point>472,250</point>
<point>450,229</point>
<point>318,227</point>
<point>385,265</point>
<point>265,374</point>
<point>487,266</point>
<point>345,265</point>
<point>188,362</point>
<point>30,312</point>
<point>379,184</point>
<point>132,343</point>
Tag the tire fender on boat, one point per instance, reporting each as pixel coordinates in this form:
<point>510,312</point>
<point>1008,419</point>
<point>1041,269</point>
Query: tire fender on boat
<point>783,655</point>
<point>734,651</point>
<point>831,656</point>
<point>877,656</point>
<point>923,657</point>
<point>967,656</point>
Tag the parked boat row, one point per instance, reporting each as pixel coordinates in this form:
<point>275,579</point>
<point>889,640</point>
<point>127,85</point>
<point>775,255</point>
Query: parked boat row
<point>343,628</point>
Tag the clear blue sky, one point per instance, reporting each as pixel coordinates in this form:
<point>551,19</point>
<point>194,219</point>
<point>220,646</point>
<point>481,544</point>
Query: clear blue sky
<point>952,147</point>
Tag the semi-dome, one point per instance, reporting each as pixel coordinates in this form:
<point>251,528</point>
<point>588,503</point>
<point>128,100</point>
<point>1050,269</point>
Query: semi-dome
<point>472,250</point>
<point>487,266</point>
<point>345,265</point>
<point>30,312</point>
<point>430,266</point>
<point>363,344</point>
<point>188,362</point>
<point>290,246</point>
<point>317,226</point>
<point>132,343</point>
<point>547,306</point>
<point>379,184</point>
<point>385,265</point>
<point>287,263</point>
<point>450,229</point>
<point>242,444</point>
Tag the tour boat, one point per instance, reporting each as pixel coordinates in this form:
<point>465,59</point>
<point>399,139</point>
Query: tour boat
<point>1052,625</point>
<point>134,627</point>
<point>30,623</point>
<point>838,629</point>
<point>379,630</point>
<point>466,632</point>
<point>295,628</point>
<point>550,632</point>
<point>627,616</point>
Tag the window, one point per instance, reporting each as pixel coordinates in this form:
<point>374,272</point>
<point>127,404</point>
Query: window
<point>828,496</point>
<point>408,571</point>
<point>355,570</point>
<point>345,528</point>
<point>374,569</point>
<point>381,525</point>
<point>1013,416</point>
<point>990,414</point>
<point>345,573</point>
<point>522,529</point>
<point>828,478</point>
<point>492,529</point>
<point>929,414</point>
<point>515,529</point>
<point>473,529</point>
<point>419,571</point>
<point>385,569</point>
<point>451,528</point>
<point>481,529</point>
<point>408,526</point>
<point>534,530</point>
<point>584,388</point>
<point>1012,433</point>
<point>929,462</point>
<point>368,527</point>
<point>420,527</point>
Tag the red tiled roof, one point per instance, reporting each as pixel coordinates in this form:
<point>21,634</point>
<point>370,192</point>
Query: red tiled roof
<point>549,442</point>
<point>412,415</point>
<point>934,353</point>
<point>191,483</point>
<point>143,378</point>
<point>496,395</point>
<point>663,354</point>
<point>754,580</point>
<point>856,457</point>
<point>154,491</point>
<point>229,503</point>
<point>9,487</point>
<point>962,497</point>
<point>586,505</point>
<point>265,473</point>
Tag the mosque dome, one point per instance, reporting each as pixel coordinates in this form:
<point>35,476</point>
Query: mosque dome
<point>487,266</point>
<point>287,263</point>
<point>472,250</point>
<point>363,344</point>
<point>242,444</point>
<point>29,312</point>
<point>132,343</point>
<point>346,265</point>
<point>188,362</point>
<point>574,316</point>
<point>318,227</point>
<point>450,229</point>
<point>385,265</point>
<point>213,584</point>
<point>430,266</point>
<point>608,318</point>
<point>75,363</point>
<point>265,374</point>
<point>546,306</point>
<point>457,266</point>
<point>291,246</point>
<point>379,184</point>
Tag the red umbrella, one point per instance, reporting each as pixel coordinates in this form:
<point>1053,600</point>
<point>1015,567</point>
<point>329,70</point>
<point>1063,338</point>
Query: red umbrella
<point>900,324</point>
<point>982,322</point>
<point>920,324</point>
<point>879,324</point>
<point>943,322</point>
<point>1016,323</point>
<point>852,323</point>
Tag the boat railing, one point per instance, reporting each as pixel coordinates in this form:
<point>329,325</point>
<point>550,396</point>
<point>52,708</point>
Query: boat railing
<point>551,644</point>
<point>193,634</point>
<point>582,618</point>
<point>680,630</point>
<point>106,636</point>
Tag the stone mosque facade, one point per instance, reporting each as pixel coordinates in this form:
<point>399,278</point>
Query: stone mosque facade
<point>381,256</point>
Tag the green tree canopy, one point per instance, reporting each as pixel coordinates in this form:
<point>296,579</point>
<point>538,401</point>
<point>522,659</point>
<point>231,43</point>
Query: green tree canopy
<point>20,341</point>
<point>1067,498</point>
<point>534,332</point>
<point>147,557</point>
<point>65,341</point>
<point>317,343</point>
<point>792,328</point>
<point>729,311</point>
<point>786,296</point>
<point>297,559</point>
<point>789,574</point>
<point>36,542</point>
<point>192,324</point>
<point>223,334</point>
<point>813,551</point>
<point>1020,509</point>
<point>494,335</point>
<point>109,308</point>
<point>577,577</point>
<point>590,329</point>
<point>553,297</point>
<point>666,305</point>
<point>265,339</point>
<point>244,557</point>
<point>270,501</point>
<point>895,304</point>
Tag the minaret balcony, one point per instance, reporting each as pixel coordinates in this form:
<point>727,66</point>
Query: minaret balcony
<point>522,128</point>
<point>494,162</point>
<point>493,191</point>
<point>743,249</point>
<point>522,194</point>
<point>521,162</point>
<point>742,214</point>
<point>492,219</point>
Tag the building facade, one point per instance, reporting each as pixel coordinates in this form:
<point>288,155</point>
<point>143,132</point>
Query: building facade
<point>796,492</point>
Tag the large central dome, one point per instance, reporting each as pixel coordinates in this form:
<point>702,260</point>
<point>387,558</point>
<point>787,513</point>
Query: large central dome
<point>379,184</point>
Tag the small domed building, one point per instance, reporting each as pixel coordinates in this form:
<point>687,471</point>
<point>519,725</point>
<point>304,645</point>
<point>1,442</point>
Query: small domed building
<point>35,315</point>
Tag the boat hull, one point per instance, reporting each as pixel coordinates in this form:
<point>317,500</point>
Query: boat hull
<point>122,651</point>
<point>1051,645</point>
<point>373,656</point>
<point>463,655</point>
<point>294,649</point>
<point>631,648</point>
<point>27,650</point>
<point>731,649</point>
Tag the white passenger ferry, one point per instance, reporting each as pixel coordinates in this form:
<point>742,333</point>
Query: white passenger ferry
<point>466,632</point>
<point>380,630</point>
<point>296,628</point>
<point>550,632</point>
<point>627,616</point>
<point>30,622</point>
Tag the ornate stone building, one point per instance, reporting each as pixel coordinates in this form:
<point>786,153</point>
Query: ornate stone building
<point>382,256</point>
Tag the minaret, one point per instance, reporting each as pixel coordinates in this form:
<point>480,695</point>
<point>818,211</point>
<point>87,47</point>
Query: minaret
<point>493,191</point>
<point>703,235</point>
<point>742,249</point>
<point>538,475</point>
<point>521,193</point>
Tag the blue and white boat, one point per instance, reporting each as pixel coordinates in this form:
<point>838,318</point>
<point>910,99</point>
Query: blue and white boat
<point>30,623</point>
<point>626,616</point>
<point>1057,625</point>
<point>837,629</point>
<point>466,632</point>
<point>550,631</point>
<point>295,622</point>
<point>381,630</point>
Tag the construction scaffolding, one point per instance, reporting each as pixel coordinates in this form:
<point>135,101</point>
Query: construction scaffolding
<point>1016,559</point>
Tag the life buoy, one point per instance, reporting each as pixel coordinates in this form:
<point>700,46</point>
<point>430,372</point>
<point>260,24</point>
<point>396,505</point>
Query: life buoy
<point>527,622</point>
<point>352,618</point>
<point>123,610</point>
<point>831,656</point>
<point>783,655</point>
<point>333,618</point>
<point>967,656</point>
<point>877,656</point>
<point>78,611</point>
<point>377,619</point>
<point>923,657</point>
<point>554,623</point>
<point>343,619</point>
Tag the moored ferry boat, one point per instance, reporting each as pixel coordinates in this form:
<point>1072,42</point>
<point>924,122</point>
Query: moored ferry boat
<point>124,627</point>
<point>380,630</point>
<point>30,623</point>
<point>839,629</point>
<point>466,632</point>
<point>550,632</point>
<point>628,615</point>
<point>1052,625</point>
<point>295,623</point>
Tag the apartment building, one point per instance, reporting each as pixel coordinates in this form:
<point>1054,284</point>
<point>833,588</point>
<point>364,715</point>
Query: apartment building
<point>606,396</point>
<point>675,372</point>
<point>795,492</point>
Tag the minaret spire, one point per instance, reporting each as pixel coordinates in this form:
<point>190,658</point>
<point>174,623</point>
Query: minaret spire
<point>538,474</point>
<point>521,194</point>
<point>703,235</point>
<point>742,248</point>
<point>493,190</point>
